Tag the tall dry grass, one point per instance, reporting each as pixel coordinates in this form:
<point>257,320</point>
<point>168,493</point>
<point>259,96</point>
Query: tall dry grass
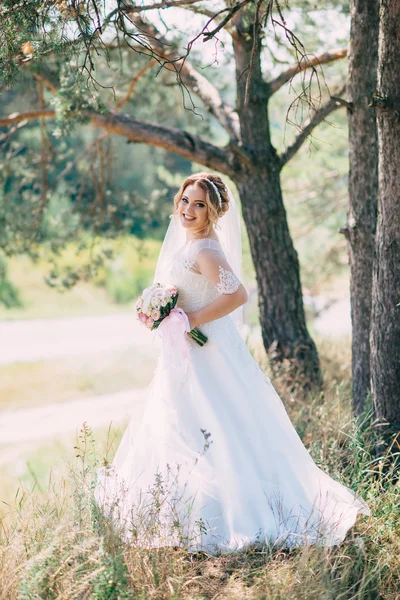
<point>57,543</point>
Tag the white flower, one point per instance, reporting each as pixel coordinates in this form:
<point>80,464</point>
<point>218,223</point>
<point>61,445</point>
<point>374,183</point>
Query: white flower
<point>147,296</point>
<point>155,302</point>
<point>166,300</point>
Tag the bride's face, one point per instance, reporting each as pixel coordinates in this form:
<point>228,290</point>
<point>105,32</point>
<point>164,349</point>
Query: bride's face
<point>193,208</point>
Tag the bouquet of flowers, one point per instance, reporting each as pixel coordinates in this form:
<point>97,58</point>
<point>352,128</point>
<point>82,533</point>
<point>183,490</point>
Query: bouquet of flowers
<point>157,303</point>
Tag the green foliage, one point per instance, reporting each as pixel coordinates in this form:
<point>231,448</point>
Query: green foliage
<point>9,294</point>
<point>124,287</point>
<point>19,23</point>
<point>112,582</point>
<point>130,271</point>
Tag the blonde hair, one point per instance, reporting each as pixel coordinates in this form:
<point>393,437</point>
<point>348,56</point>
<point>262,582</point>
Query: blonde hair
<point>217,205</point>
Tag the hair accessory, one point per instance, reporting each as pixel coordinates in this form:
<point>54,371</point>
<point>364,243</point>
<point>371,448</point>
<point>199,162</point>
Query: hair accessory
<point>216,191</point>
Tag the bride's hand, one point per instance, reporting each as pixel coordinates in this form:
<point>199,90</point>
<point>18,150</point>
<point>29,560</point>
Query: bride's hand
<point>192,320</point>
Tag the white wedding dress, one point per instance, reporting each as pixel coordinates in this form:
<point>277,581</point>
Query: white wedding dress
<point>215,463</point>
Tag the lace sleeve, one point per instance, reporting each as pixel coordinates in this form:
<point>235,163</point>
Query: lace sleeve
<point>211,262</point>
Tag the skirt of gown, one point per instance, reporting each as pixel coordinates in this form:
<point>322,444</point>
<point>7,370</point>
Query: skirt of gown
<point>215,463</point>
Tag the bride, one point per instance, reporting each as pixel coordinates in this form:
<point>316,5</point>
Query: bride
<point>215,463</point>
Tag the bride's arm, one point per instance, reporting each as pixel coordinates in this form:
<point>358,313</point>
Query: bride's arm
<point>215,267</point>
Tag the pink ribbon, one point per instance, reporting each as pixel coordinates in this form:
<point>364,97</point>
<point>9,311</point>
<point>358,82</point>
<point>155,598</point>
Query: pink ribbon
<point>172,330</point>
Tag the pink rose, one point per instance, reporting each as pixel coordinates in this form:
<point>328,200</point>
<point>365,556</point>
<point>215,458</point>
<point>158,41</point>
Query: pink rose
<point>149,323</point>
<point>172,290</point>
<point>143,317</point>
<point>155,314</point>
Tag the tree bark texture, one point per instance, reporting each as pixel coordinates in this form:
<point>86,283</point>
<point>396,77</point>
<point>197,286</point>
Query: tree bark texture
<point>385,330</point>
<point>282,317</point>
<point>363,186</point>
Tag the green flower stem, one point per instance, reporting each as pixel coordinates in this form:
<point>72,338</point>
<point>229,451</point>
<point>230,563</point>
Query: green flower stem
<point>198,337</point>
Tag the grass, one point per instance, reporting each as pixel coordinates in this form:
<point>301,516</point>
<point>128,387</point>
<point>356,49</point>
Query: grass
<point>55,543</point>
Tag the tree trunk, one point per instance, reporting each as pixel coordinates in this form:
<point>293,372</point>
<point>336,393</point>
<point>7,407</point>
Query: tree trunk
<point>385,331</point>
<point>363,186</point>
<point>283,326</point>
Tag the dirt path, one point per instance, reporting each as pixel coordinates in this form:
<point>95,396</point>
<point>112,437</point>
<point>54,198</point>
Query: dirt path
<point>43,423</point>
<point>28,427</point>
<point>40,339</point>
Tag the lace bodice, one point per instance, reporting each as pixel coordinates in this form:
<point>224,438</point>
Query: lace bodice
<point>195,289</point>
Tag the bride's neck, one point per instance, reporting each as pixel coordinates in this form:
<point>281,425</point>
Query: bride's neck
<point>212,236</point>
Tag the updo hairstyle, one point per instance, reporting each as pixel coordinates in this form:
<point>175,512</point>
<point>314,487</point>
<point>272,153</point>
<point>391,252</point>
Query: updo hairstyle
<point>215,211</point>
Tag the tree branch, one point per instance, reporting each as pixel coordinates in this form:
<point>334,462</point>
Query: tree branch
<point>304,64</point>
<point>333,104</point>
<point>160,5</point>
<point>191,78</point>
<point>142,8</point>
<point>184,4</point>
<point>225,20</point>
<point>26,116</point>
<point>174,140</point>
